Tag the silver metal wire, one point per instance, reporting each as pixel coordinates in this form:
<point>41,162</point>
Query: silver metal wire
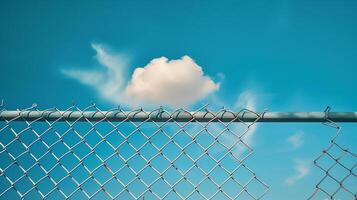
<point>338,164</point>
<point>106,159</point>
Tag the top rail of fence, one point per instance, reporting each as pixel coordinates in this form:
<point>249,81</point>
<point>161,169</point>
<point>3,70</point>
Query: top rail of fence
<point>178,116</point>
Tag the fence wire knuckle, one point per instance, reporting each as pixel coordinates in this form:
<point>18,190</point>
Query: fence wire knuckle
<point>91,153</point>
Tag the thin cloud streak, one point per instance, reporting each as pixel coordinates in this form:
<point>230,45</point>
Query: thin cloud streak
<point>296,140</point>
<point>109,80</point>
<point>246,100</point>
<point>301,170</point>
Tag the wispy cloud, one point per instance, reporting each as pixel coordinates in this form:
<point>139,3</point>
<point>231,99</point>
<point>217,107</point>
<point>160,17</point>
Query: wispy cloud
<point>296,140</point>
<point>246,100</point>
<point>108,80</point>
<point>175,83</point>
<point>301,170</point>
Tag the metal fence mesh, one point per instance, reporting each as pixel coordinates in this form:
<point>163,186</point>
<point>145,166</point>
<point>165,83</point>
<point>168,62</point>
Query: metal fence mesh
<point>82,159</point>
<point>338,165</point>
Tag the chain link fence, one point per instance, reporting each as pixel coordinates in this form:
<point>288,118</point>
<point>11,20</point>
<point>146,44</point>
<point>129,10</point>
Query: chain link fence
<point>338,165</point>
<point>116,154</point>
<point>127,160</point>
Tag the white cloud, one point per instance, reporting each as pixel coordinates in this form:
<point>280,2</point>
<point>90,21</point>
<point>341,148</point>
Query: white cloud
<point>175,83</point>
<point>109,80</point>
<point>247,100</point>
<point>296,140</point>
<point>301,170</point>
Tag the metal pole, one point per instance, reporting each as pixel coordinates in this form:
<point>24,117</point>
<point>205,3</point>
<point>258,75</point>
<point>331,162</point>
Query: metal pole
<point>181,116</point>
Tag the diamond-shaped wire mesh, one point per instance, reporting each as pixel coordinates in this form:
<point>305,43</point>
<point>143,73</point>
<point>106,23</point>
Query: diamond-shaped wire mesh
<point>338,165</point>
<point>106,159</point>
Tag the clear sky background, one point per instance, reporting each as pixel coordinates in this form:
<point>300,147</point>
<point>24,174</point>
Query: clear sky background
<point>282,55</point>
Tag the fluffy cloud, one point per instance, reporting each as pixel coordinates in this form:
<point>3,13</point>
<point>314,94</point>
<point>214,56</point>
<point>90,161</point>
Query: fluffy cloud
<point>296,140</point>
<point>175,83</point>
<point>301,170</point>
<point>170,82</point>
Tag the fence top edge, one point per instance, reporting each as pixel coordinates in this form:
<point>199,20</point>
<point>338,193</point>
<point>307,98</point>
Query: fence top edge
<point>178,116</point>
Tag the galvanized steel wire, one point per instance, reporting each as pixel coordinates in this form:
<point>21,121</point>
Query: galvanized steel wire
<point>339,179</point>
<point>115,154</point>
<point>127,160</point>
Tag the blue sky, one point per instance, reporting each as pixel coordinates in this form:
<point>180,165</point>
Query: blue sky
<point>280,55</point>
